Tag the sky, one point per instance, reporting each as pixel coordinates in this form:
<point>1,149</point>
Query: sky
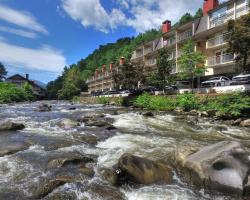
<point>41,37</point>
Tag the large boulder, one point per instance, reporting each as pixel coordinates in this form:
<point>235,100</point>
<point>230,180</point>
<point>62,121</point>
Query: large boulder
<point>245,123</point>
<point>44,107</point>
<point>8,125</point>
<point>142,171</point>
<point>223,166</point>
<point>247,186</point>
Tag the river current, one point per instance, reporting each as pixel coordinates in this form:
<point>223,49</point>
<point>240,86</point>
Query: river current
<point>156,138</point>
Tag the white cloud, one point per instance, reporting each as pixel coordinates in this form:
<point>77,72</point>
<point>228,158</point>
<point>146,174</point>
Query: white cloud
<point>92,13</point>
<point>45,58</point>
<point>21,18</point>
<point>19,32</point>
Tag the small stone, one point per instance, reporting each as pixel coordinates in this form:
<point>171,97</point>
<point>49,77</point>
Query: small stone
<point>148,114</point>
<point>245,123</point>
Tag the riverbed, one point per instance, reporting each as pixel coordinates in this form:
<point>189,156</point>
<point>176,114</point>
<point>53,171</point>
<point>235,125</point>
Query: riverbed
<point>23,172</point>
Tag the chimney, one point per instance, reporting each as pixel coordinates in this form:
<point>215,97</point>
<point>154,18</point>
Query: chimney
<point>111,67</point>
<point>27,76</point>
<point>209,5</point>
<point>166,26</point>
<point>122,61</point>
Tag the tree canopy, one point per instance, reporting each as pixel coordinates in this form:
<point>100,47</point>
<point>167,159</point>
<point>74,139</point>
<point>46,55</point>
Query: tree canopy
<point>3,71</point>
<point>239,42</point>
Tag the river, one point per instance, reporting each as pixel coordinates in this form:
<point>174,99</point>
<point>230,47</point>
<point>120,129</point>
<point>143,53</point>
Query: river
<point>156,138</point>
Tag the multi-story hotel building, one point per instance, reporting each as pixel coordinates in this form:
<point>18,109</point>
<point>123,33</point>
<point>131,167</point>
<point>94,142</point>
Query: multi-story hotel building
<point>208,32</point>
<point>103,78</point>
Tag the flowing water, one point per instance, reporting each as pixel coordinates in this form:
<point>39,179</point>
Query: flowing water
<point>43,139</point>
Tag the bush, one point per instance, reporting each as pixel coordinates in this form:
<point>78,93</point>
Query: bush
<point>11,93</point>
<point>187,102</point>
<point>103,100</point>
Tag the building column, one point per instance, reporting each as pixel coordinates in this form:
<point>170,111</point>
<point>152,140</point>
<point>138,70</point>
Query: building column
<point>176,52</point>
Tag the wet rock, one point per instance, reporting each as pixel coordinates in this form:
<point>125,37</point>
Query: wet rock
<point>47,187</point>
<point>193,113</point>
<point>90,117</point>
<point>98,123</point>
<point>59,162</point>
<point>105,192</point>
<point>211,112</point>
<point>61,196</point>
<point>236,122</point>
<point>12,148</point>
<point>179,110</point>
<point>222,166</point>
<point>110,175</point>
<point>72,108</point>
<point>44,108</point>
<point>68,123</point>
<point>148,114</point>
<point>245,123</point>
<point>90,139</point>
<point>143,171</point>
<point>247,187</point>
<point>192,120</point>
<point>203,114</point>
<point>8,125</point>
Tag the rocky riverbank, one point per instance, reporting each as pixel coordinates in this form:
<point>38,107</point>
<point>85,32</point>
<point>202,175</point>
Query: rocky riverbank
<point>56,150</point>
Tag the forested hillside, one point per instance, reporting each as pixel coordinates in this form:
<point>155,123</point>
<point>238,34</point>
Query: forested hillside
<point>72,81</point>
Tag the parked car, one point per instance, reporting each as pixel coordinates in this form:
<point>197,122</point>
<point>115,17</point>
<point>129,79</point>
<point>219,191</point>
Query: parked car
<point>241,79</point>
<point>150,89</point>
<point>171,89</point>
<point>183,85</point>
<point>216,82</point>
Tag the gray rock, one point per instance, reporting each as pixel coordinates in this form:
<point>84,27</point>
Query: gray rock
<point>222,166</point>
<point>193,113</point>
<point>179,110</point>
<point>44,108</point>
<point>245,123</point>
<point>247,187</point>
<point>7,125</point>
<point>148,114</point>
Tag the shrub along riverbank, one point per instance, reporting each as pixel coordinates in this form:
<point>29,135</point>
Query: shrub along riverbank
<point>232,105</point>
<point>10,93</point>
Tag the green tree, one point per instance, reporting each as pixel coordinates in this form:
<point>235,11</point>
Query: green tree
<point>191,62</point>
<point>164,68</point>
<point>239,41</point>
<point>128,75</point>
<point>28,91</point>
<point>198,14</point>
<point>3,72</point>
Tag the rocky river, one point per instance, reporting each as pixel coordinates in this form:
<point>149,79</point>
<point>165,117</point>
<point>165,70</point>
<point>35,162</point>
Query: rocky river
<point>64,154</point>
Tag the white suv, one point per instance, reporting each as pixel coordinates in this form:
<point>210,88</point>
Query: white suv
<point>216,82</point>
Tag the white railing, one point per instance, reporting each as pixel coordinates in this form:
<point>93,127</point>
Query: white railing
<point>169,42</point>
<point>216,41</point>
<point>218,60</point>
<point>137,54</point>
<point>172,55</point>
<point>216,21</point>
<point>187,34</point>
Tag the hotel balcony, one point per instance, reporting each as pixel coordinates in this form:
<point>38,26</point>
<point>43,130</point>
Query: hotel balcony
<point>148,50</point>
<point>228,15</point>
<point>169,42</point>
<point>217,41</point>
<point>185,35</point>
<point>220,60</point>
<point>137,54</point>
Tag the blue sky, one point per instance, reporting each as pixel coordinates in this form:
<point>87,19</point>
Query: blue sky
<point>40,37</point>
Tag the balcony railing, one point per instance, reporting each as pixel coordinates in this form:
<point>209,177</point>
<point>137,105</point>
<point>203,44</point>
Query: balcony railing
<point>137,54</point>
<point>216,21</point>
<point>218,60</point>
<point>216,41</point>
<point>185,35</point>
<point>148,50</point>
<point>158,44</point>
<point>169,42</point>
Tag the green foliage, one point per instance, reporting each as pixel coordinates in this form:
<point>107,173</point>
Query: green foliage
<point>187,17</point>
<point>76,99</point>
<point>119,101</point>
<point>239,41</point>
<point>198,14</point>
<point>28,90</point>
<point>128,76</point>
<point>11,93</point>
<point>3,71</point>
<point>230,105</point>
<point>191,63</point>
<point>164,66</point>
<point>103,100</point>
<point>235,104</point>
<point>68,91</point>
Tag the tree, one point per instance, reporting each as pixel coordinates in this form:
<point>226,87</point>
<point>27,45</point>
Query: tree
<point>164,68</point>
<point>128,75</point>
<point>3,71</point>
<point>239,42</point>
<point>191,62</point>
<point>198,14</point>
